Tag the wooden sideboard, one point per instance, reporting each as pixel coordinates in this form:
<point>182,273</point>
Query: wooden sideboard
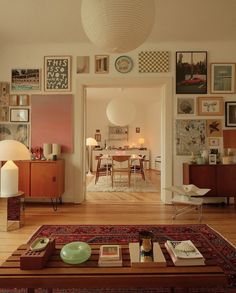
<point>221,179</point>
<point>42,179</point>
<point>115,152</point>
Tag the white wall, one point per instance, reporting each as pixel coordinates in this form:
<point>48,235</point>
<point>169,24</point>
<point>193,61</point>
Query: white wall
<point>32,56</point>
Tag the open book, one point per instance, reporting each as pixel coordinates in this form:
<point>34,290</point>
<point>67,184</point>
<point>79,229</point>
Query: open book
<point>184,253</point>
<point>190,190</point>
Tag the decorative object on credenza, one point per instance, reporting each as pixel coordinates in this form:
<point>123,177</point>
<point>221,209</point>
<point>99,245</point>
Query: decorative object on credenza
<point>25,79</point>
<point>141,142</point>
<point>222,78</point>
<point>191,72</point>
<point>153,61</point>
<point>47,150</point>
<point>117,26</point>
<point>37,153</point>
<point>57,73</point>
<point>230,114</point>
<point>11,150</point>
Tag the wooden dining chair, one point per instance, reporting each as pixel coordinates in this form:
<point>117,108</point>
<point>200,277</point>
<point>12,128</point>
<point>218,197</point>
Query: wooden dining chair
<point>102,169</point>
<point>139,168</point>
<point>121,165</point>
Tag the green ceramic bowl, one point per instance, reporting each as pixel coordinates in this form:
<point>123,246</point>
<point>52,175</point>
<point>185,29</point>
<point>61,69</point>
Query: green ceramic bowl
<point>75,252</point>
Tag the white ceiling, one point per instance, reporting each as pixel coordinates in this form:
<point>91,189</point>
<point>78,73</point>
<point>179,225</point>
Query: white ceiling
<point>41,21</point>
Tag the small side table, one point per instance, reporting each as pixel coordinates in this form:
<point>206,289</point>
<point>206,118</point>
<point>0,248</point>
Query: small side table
<point>12,212</point>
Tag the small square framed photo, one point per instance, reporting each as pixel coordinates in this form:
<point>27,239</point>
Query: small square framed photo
<point>13,100</point>
<point>214,141</point>
<point>214,128</point>
<point>212,159</point>
<point>4,114</point>
<point>185,106</point>
<point>230,114</point>
<point>101,63</point>
<point>23,100</point>
<point>222,78</point>
<point>210,106</point>
<point>19,115</point>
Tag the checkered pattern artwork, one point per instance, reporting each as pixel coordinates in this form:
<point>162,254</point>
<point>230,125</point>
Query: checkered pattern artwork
<point>153,61</point>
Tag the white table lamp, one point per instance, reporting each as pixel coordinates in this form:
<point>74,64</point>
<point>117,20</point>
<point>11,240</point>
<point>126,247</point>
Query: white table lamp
<point>90,142</point>
<point>11,150</point>
<point>141,141</point>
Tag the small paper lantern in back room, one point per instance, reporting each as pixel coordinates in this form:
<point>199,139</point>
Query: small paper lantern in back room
<point>120,111</point>
<point>117,25</point>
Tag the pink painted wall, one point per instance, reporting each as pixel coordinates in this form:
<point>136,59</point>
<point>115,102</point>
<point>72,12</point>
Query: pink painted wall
<point>52,120</point>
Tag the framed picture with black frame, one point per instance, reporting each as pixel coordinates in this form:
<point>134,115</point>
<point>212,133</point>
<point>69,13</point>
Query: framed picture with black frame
<point>230,114</point>
<point>191,72</point>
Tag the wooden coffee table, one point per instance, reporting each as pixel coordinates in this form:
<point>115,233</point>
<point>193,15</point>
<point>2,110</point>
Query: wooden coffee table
<point>58,274</point>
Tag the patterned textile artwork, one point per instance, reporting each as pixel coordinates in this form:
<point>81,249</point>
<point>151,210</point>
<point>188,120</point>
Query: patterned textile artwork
<point>153,61</point>
<point>190,136</point>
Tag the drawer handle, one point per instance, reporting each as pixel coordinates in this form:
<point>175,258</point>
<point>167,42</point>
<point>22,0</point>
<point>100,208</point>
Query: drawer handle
<point>54,179</point>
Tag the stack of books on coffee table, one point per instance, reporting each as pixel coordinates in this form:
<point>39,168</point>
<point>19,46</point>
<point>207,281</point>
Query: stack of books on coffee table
<point>184,253</point>
<point>110,256</point>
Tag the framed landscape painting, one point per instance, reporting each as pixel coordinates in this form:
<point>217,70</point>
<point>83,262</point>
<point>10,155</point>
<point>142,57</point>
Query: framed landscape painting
<point>222,78</point>
<point>191,72</point>
<point>25,79</point>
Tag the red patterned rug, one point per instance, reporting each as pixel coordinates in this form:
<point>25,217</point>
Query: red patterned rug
<point>224,253</point>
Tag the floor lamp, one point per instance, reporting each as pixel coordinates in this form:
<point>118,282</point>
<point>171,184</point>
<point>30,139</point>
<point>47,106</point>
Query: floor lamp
<point>89,143</point>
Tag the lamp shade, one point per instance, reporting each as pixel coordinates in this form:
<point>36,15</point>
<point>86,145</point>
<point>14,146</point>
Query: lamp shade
<point>91,141</point>
<point>120,111</point>
<point>141,140</point>
<point>117,25</point>
<point>13,150</point>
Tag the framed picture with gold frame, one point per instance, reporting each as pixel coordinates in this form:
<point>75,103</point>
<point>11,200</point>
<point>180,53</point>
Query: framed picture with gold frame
<point>210,106</point>
<point>222,78</point>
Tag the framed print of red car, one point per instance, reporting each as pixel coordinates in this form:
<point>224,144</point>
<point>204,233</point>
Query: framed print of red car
<point>191,72</point>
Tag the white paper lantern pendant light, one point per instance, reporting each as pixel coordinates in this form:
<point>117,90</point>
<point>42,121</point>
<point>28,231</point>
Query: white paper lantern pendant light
<point>117,26</point>
<point>120,111</point>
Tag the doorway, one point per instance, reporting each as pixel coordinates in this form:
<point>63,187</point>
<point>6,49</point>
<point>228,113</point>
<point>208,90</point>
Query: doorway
<point>80,129</point>
<point>144,127</point>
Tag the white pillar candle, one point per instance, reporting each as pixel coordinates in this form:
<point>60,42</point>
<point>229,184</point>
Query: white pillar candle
<point>47,149</point>
<point>9,179</point>
<point>56,149</point>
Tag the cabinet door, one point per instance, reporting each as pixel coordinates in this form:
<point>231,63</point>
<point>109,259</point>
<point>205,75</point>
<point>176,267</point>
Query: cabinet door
<point>44,179</point>
<point>203,176</point>
<point>226,180</point>
<point>24,176</point>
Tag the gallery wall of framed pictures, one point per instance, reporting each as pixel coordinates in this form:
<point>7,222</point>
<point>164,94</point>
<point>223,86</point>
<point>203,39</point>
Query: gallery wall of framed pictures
<point>14,115</point>
<point>203,95</point>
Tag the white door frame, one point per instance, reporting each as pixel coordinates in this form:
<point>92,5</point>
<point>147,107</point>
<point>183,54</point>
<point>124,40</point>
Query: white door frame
<point>78,158</point>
